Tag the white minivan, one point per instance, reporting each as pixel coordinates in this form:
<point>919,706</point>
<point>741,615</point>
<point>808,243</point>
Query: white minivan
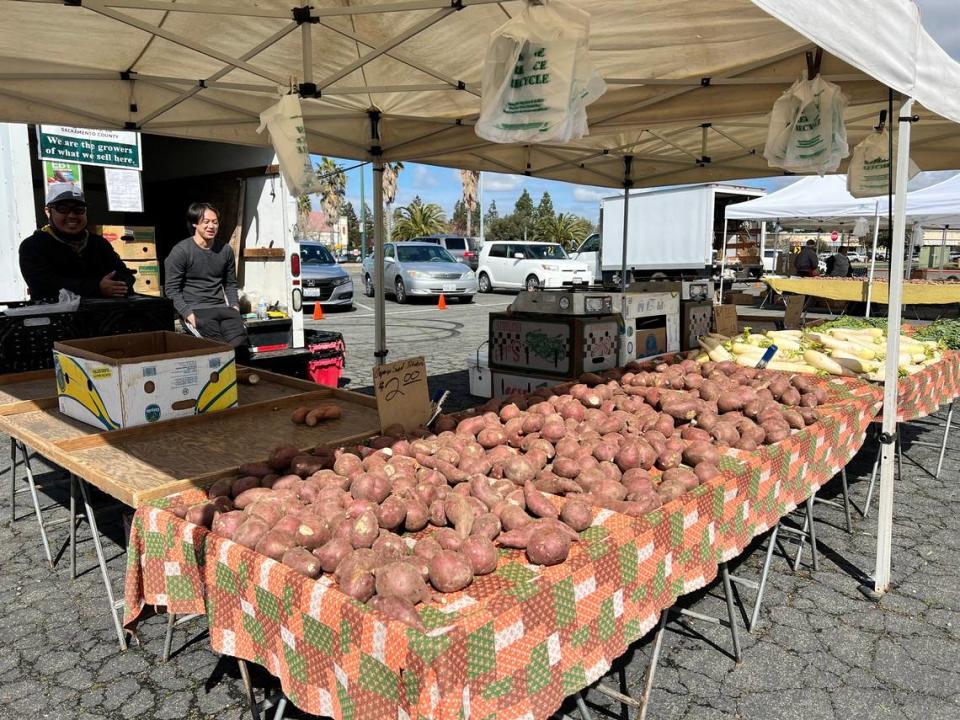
<point>528,265</point>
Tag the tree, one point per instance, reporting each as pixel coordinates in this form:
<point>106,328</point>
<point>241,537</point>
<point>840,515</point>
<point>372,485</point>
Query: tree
<point>367,228</point>
<point>524,213</point>
<point>353,226</point>
<point>417,219</point>
<point>504,228</point>
<point>331,183</point>
<point>304,206</point>
<point>545,208</point>
<point>470,179</point>
<point>566,228</point>
<point>391,175</point>
<point>459,223</point>
<point>492,213</point>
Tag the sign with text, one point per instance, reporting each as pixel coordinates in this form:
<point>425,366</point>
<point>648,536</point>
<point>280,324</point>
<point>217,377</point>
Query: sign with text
<point>62,176</point>
<point>402,394</point>
<point>124,192</point>
<point>106,148</point>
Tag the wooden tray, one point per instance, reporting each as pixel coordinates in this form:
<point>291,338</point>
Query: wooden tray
<point>149,461</point>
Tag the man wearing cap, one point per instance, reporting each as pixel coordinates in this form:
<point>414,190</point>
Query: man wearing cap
<point>63,254</point>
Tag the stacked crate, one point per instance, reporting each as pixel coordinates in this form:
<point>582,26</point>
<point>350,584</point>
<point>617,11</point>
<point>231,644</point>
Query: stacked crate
<point>137,247</point>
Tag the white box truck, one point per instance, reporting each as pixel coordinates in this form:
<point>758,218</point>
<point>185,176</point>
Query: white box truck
<point>672,233</point>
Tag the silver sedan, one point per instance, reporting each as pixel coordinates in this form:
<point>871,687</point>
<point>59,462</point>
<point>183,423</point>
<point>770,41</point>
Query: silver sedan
<point>414,269</point>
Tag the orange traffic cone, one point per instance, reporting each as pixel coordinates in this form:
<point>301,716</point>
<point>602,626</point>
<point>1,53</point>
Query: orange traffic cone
<point>317,312</point>
<point>442,305</point>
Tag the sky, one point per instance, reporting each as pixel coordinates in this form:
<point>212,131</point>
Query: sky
<point>442,185</point>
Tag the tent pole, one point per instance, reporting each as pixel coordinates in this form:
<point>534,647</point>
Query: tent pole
<point>306,47</point>
<point>380,305</point>
<point>480,197</point>
<point>873,255</point>
<point>881,577</point>
<point>363,215</point>
<point>627,183</point>
<point>723,262</point>
<point>943,246</point>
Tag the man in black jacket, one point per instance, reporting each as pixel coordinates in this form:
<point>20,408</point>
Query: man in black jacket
<point>807,261</point>
<point>63,254</point>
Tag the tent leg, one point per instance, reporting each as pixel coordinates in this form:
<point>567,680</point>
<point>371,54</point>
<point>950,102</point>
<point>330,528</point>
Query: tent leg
<point>380,305</point>
<point>873,256</point>
<point>627,182</point>
<point>881,576</point>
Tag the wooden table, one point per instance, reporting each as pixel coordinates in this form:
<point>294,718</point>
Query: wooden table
<point>144,462</point>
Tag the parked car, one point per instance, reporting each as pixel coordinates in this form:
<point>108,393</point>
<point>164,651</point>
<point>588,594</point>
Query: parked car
<point>344,258</point>
<point>529,265</point>
<point>855,256</point>
<point>417,269</point>
<point>323,280</point>
<point>464,249</point>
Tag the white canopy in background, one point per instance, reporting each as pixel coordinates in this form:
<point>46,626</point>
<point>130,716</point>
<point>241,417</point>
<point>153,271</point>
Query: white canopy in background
<point>206,69</point>
<point>935,206</point>
<point>812,199</point>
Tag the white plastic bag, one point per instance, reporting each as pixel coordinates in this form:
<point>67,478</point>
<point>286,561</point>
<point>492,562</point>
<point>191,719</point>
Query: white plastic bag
<point>284,120</point>
<point>869,170</point>
<point>807,133</point>
<point>538,78</point>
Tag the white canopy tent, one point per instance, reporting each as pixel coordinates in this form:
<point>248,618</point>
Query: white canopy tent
<point>812,199</point>
<point>690,87</point>
<point>936,206</point>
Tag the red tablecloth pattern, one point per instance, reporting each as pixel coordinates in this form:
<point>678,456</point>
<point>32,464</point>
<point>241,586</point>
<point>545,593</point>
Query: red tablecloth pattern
<point>515,643</point>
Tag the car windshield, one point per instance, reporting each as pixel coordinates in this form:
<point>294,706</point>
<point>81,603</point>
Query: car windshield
<point>316,255</point>
<point>423,253</point>
<point>545,252</point>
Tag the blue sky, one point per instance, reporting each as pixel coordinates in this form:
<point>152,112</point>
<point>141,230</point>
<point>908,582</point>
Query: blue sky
<point>442,185</point>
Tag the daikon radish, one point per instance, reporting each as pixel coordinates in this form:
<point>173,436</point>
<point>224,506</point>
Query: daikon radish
<point>824,362</point>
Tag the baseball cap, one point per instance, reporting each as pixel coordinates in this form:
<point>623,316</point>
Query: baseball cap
<point>64,192</point>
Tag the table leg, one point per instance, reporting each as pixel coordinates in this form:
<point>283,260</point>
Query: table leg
<point>248,688</point>
<point>101,559</point>
<point>73,526</point>
<point>946,433</point>
<point>755,615</point>
<point>652,667</point>
<point>731,612</point>
<point>36,501</point>
<point>13,480</point>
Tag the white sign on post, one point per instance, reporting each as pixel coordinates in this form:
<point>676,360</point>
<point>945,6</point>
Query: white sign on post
<point>124,191</point>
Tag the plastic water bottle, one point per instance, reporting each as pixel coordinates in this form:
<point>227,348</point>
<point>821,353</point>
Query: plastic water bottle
<point>262,309</point>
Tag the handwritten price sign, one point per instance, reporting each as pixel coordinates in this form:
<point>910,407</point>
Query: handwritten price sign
<point>402,395</point>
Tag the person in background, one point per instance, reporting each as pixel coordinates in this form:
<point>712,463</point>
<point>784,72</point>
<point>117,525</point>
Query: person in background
<point>201,280</point>
<point>838,265</point>
<point>64,254</point>
<point>807,261</point>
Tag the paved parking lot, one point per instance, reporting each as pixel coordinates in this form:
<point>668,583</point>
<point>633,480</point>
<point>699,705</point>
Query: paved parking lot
<point>444,337</point>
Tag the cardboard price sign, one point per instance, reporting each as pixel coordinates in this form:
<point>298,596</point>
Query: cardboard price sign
<point>402,395</point>
<point>725,320</point>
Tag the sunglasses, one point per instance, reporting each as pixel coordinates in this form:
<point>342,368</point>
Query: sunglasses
<point>68,209</point>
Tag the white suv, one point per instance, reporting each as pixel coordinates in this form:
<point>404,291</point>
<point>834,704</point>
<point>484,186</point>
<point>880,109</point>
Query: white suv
<point>528,265</point>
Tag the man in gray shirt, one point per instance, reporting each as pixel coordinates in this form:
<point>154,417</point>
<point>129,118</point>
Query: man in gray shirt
<point>201,279</point>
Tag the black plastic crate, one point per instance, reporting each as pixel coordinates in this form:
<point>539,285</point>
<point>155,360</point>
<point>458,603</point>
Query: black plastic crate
<point>26,341</point>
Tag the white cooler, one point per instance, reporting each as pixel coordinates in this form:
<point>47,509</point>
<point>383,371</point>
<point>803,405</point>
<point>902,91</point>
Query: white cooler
<point>479,371</point>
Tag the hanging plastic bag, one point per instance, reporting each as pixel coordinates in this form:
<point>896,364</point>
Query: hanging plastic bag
<point>807,133</point>
<point>869,171</point>
<point>538,78</point>
<point>284,120</point>
<point>861,228</point>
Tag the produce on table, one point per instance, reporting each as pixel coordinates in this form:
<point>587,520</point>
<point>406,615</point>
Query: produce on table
<point>311,416</point>
<point>826,350</point>
<point>627,441</point>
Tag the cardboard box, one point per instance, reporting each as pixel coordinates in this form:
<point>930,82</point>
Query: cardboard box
<point>131,242</point>
<point>651,341</point>
<point>147,279</point>
<point>126,380</point>
<point>736,298</point>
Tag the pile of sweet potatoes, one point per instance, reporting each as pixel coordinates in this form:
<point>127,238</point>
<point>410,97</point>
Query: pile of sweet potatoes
<point>408,516</point>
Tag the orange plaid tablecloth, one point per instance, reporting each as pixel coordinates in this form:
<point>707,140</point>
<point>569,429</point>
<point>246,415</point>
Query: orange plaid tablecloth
<point>923,393</point>
<point>515,643</point>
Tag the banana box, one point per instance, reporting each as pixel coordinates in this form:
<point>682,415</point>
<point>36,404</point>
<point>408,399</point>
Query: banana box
<point>126,380</point>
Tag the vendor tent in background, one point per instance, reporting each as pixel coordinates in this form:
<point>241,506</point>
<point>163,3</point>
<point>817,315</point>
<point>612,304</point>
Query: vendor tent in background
<point>936,206</point>
<point>690,87</point>
<point>815,199</point>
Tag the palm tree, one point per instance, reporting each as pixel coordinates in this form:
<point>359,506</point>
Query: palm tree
<point>303,213</point>
<point>418,219</point>
<point>331,183</point>
<point>566,228</point>
<point>470,179</point>
<point>391,173</point>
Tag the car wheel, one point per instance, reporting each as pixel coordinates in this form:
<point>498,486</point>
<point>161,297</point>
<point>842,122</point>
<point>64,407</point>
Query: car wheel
<point>532,283</point>
<point>368,286</point>
<point>465,299</point>
<point>400,291</point>
<point>483,283</point>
